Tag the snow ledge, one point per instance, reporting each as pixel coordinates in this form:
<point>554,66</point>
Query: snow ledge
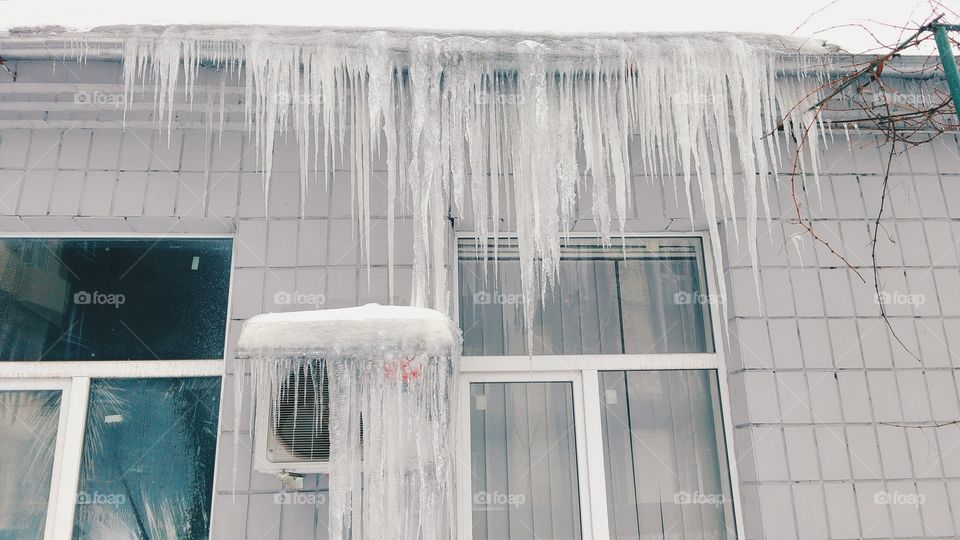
<point>359,330</point>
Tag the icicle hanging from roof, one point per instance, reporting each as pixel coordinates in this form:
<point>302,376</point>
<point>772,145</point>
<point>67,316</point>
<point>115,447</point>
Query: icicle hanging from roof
<point>463,120</point>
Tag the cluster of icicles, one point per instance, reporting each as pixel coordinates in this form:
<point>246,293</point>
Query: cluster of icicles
<point>385,378</point>
<point>465,123</point>
<point>392,449</point>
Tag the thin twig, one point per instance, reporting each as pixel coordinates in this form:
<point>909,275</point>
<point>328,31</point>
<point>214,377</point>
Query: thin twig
<point>909,125</point>
<point>873,254</point>
<point>808,226</point>
<point>921,425</point>
<point>7,69</point>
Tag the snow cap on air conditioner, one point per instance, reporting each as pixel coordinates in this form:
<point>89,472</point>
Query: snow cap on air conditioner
<point>358,330</point>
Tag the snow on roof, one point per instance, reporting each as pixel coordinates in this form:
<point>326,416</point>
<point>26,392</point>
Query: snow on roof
<point>341,332</point>
<point>487,41</point>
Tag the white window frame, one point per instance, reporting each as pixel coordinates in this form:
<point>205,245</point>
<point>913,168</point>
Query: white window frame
<point>63,464</point>
<point>73,378</point>
<point>464,478</point>
<point>583,370</point>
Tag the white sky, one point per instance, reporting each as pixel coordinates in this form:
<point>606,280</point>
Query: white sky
<point>813,17</point>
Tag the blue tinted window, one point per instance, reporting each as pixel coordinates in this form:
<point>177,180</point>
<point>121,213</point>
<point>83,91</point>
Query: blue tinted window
<point>148,459</point>
<point>113,299</point>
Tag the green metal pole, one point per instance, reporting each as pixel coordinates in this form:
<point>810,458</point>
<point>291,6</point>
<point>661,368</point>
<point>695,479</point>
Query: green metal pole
<point>949,67</point>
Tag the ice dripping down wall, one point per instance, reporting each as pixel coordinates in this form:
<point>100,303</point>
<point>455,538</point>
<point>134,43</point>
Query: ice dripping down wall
<point>465,122</point>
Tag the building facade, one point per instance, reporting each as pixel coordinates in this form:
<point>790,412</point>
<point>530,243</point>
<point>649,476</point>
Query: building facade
<point>651,404</point>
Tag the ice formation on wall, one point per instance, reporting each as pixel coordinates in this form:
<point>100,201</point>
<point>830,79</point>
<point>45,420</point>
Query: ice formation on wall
<point>548,124</point>
<point>515,135</point>
<point>392,375</point>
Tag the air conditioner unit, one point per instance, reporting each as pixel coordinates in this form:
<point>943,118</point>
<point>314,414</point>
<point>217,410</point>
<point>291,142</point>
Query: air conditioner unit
<point>292,428</point>
<point>377,351</point>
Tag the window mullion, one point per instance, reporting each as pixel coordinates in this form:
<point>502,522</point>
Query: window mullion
<point>595,473</point>
<point>71,452</point>
<point>464,478</point>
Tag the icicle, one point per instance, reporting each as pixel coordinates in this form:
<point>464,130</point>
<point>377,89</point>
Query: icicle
<point>550,122</point>
<point>798,244</point>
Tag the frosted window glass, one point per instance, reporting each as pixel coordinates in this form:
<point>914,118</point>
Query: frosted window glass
<point>648,296</point>
<point>28,440</point>
<point>523,461</point>
<point>148,459</point>
<point>665,457</point>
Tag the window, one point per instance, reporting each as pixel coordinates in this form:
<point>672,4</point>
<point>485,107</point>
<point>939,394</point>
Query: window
<point>30,421</point>
<point>646,296</point>
<point>524,460</point>
<point>111,351</point>
<point>614,425</point>
<point>665,464</point>
<point>117,299</point>
<point>148,460</point>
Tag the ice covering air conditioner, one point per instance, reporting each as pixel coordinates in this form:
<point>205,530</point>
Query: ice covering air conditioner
<point>320,375</point>
<point>366,395</point>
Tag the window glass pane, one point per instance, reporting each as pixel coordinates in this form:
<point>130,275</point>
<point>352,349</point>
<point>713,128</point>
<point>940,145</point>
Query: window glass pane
<point>524,461</point>
<point>113,299</point>
<point>28,441</point>
<point>666,461</point>
<point>148,459</point>
<point>647,296</point>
